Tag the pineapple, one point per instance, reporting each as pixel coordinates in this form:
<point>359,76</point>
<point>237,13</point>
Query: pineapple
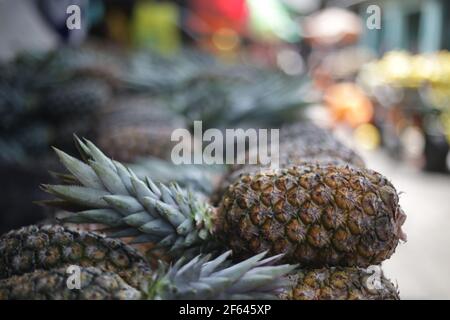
<point>131,143</point>
<point>315,214</point>
<point>22,146</point>
<point>308,142</point>
<point>93,60</point>
<point>197,279</point>
<point>295,153</point>
<point>136,127</point>
<point>299,143</point>
<point>137,110</point>
<point>78,96</point>
<point>16,96</point>
<point>337,283</point>
<point>305,130</point>
<point>48,247</point>
<point>52,285</point>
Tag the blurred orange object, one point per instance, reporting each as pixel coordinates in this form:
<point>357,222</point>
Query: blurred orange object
<point>348,103</point>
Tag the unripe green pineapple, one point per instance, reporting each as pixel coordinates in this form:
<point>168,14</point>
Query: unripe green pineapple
<point>51,284</point>
<point>315,214</point>
<point>48,247</point>
<point>338,283</point>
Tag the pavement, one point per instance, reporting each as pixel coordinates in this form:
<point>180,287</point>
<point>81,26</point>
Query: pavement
<point>421,266</point>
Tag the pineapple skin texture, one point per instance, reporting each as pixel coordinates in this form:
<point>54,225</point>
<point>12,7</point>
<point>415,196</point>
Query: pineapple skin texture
<point>337,284</point>
<point>48,247</point>
<point>317,215</point>
<point>52,285</point>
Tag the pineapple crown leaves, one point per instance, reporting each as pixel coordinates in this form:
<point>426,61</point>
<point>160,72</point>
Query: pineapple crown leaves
<point>114,196</point>
<point>200,178</point>
<point>202,278</point>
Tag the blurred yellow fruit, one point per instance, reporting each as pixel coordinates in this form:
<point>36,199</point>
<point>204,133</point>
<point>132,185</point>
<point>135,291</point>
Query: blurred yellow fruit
<point>400,68</point>
<point>367,136</point>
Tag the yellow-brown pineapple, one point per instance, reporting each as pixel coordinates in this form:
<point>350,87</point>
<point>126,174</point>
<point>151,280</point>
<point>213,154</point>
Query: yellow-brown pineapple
<point>51,284</point>
<point>337,283</point>
<point>317,215</point>
<point>47,247</point>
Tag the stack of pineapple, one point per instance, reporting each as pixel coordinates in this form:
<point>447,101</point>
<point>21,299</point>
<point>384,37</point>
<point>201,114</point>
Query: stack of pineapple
<point>307,230</point>
<point>321,212</point>
<point>53,95</point>
<point>43,101</point>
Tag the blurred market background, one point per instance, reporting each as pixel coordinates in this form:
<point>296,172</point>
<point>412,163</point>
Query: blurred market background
<point>137,70</point>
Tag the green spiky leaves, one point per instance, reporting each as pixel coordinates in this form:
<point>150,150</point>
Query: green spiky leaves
<point>201,278</point>
<point>108,193</point>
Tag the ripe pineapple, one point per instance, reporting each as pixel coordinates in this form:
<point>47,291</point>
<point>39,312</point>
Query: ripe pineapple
<point>338,284</point>
<point>48,247</point>
<point>308,142</point>
<point>52,285</point>
<point>315,214</point>
<point>197,279</point>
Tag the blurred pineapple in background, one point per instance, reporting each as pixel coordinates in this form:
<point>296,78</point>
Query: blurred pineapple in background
<point>403,69</point>
<point>137,126</point>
